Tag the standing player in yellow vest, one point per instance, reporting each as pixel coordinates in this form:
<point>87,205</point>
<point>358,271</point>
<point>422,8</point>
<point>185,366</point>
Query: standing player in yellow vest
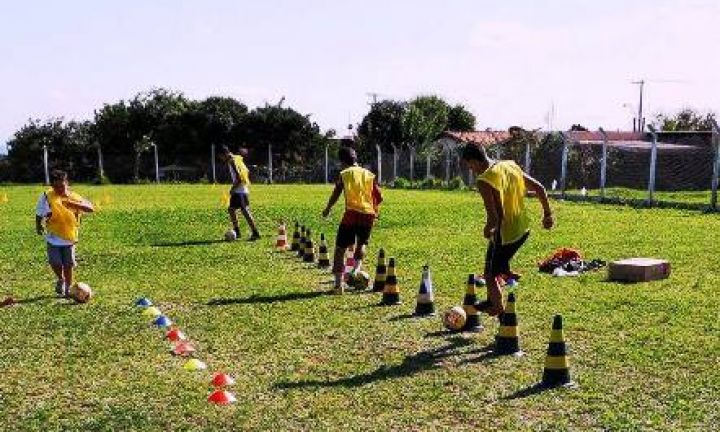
<point>503,186</point>
<point>240,190</point>
<point>362,199</point>
<point>60,210</point>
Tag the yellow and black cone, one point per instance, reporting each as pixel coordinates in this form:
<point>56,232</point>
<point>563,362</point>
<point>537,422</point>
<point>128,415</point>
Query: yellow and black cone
<point>295,245</point>
<point>391,292</point>
<point>425,299</point>
<point>323,255</point>
<point>472,322</point>
<point>557,367</point>
<point>303,242</point>
<point>309,255</point>
<point>507,340</point>
<point>380,272</point>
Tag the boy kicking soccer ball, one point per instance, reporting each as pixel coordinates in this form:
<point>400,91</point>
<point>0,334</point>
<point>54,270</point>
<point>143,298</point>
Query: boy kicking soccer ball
<point>503,185</point>
<point>240,190</point>
<point>362,200</point>
<point>59,209</point>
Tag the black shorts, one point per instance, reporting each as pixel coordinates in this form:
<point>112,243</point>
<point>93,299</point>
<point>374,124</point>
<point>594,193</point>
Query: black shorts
<point>348,235</point>
<point>239,200</point>
<point>498,256</point>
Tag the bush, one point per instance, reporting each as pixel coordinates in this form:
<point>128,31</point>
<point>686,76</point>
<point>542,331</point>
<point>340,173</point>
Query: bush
<point>402,183</point>
<point>103,180</point>
<point>456,183</point>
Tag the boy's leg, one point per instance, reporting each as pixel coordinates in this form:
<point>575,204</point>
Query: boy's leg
<point>363,238</point>
<point>493,305</point>
<point>68,265</point>
<point>344,238</point>
<point>234,220</point>
<point>245,210</point>
<point>338,266</point>
<point>507,252</point>
<point>55,261</point>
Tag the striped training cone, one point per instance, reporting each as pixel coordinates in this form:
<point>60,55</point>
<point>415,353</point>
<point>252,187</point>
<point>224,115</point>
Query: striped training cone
<point>281,244</point>
<point>309,255</point>
<point>323,255</point>
<point>295,245</point>
<point>472,323</point>
<point>507,340</point>
<point>391,292</point>
<point>303,240</point>
<point>380,272</point>
<point>557,368</point>
<point>425,299</point>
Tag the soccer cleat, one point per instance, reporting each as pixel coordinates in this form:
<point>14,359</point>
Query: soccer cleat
<point>60,288</point>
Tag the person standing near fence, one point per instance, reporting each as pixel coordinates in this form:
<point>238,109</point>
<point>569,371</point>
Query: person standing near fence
<point>240,190</point>
<point>503,186</point>
<point>362,201</point>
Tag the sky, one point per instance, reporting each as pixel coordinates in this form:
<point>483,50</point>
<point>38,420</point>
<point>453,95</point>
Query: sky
<point>510,62</point>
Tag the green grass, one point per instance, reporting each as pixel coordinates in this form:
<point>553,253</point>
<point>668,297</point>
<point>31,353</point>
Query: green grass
<point>645,356</point>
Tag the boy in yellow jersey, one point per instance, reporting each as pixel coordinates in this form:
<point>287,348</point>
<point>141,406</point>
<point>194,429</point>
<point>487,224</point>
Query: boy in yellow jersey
<point>503,186</point>
<point>362,199</point>
<point>60,210</point>
<point>240,190</point>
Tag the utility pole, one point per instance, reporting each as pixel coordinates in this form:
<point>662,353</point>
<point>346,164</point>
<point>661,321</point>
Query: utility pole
<point>640,119</point>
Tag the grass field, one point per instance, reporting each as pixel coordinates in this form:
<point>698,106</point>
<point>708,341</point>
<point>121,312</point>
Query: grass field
<point>645,356</point>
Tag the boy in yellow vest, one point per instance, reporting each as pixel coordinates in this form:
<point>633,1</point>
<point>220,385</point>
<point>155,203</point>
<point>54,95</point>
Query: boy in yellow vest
<point>240,190</point>
<point>60,209</point>
<point>503,186</point>
<point>362,199</point>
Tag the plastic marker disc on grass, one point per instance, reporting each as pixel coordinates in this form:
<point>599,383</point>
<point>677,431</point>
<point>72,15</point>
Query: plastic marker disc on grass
<point>175,335</point>
<point>221,397</point>
<point>222,380</point>
<point>143,303</point>
<point>152,311</point>
<point>194,365</point>
<point>162,321</point>
<point>182,349</point>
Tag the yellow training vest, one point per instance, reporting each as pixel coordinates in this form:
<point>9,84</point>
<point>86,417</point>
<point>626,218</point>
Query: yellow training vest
<point>63,222</point>
<point>507,178</point>
<point>358,188</point>
<point>241,170</point>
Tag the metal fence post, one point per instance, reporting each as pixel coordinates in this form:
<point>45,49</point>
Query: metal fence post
<point>603,163</point>
<point>326,163</point>
<point>270,167</point>
<point>447,165</point>
<point>395,161</point>
<point>157,164</point>
<point>427,165</point>
<point>653,164</point>
<point>563,166</point>
<point>101,170</point>
<point>527,156</point>
<point>45,164</point>
<point>716,164</point>
<point>379,163</point>
<point>212,163</point>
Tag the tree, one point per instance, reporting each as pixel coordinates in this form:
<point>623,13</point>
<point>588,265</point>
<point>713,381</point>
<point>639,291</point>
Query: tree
<point>460,119</point>
<point>578,128</point>
<point>425,118</point>
<point>686,119</point>
<point>382,125</point>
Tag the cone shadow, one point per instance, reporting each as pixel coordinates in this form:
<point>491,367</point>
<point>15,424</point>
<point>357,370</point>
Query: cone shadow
<point>528,391</point>
<point>412,364</point>
<point>256,299</point>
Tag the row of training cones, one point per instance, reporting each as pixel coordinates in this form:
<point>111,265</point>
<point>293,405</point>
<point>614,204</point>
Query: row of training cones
<point>181,347</point>
<point>304,247</point>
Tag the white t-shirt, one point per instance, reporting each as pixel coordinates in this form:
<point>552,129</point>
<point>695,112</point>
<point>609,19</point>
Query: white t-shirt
<point>241,188</point>
<point>43,209</point>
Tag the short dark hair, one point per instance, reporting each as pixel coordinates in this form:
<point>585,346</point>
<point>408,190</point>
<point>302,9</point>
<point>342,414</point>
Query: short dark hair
<point>347,155</point>
<point>474,152</point>
<point>242,151</point>
<point>224,149</point>
<point>58,175</point>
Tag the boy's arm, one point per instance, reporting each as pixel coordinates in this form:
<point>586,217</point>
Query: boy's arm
<point>493,219</point>
<point>539,189</point>
<point>333,198</point>
<point>376,196</point>
<point>82,205</point>
<point>39,228</point>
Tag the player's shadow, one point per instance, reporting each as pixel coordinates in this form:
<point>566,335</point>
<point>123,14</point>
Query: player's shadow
<point>257,299</point>
<point>188,243</point>
<point>412,364</point>
<point>35,299</point>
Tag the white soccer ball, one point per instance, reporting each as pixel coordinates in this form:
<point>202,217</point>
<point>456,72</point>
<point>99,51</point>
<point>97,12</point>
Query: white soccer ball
<point>230,235</point>
<point>80,292</point>
<point>359,280</point>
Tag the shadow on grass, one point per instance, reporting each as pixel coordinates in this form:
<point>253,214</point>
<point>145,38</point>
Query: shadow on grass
<point>527,391</point>
<point>256,299</point>
<point>410,316</point>
<point>188,243</point>
<point>412,364</point>
<point>35,299</point>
